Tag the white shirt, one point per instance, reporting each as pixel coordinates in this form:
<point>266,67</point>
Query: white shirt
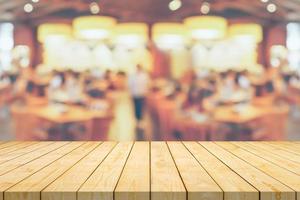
<point>138,84</point>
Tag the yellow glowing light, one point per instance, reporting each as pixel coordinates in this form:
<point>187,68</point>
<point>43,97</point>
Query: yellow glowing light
<point>93,27</point>
<point>54,30</point>
<point>131,34</point>
<point>206,27</point>
<point>250,31</point>
<point>169,35</point>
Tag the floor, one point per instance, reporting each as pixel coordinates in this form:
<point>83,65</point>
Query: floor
<point>123,126</point>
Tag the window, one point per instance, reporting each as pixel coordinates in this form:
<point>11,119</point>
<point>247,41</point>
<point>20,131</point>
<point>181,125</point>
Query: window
<point>293,45</point>
<point>6,45</point>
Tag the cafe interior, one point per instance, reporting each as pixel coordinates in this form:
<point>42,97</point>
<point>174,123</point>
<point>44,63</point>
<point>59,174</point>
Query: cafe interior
<point>128,70</point>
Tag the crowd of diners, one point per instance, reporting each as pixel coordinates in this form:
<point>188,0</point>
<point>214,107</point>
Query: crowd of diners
<point>78,105</point>
<point>209,105</point>
<point>230,105</point>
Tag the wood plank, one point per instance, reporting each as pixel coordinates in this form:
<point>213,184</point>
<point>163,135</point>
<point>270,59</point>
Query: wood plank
<point>21,160</point>
<point>197,181</point>
<point>134,183</point>
<point>276,159</point>
<point>268,187</point>
<point>233,185</point>
<point>287,146</point>
<point>101,184</point>
<point>165,180</point>
<point>11,149</point>
<point>279,151</point>
<point>8,144</point>
<point>10,179</point>
<point>22,151</point>
<point>32,186</point>
<point>286,177</point>
<point>67,185</point>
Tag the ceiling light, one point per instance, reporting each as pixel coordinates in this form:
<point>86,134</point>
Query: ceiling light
<point>28,8</point>
<point>94,8</point>
<point>271,8</point>
<point>247,32</point>
<point>169,35</point>
<point>206,27</point>
<point>131,34</point>
<point>35,1</point>
<point>175,5</point>
<point>93,27</point>
<point>205,8</point>
<point>53,30</point>
<point>264,1</point>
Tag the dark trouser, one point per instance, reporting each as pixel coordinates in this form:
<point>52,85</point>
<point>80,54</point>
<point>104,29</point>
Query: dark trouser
<point>138,107</point>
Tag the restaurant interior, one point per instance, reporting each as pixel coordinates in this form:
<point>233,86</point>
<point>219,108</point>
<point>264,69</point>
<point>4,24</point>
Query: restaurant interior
<point>128,70</point>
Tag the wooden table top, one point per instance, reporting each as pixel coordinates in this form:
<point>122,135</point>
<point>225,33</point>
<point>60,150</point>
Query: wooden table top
<point>53,114</point>
<point>247,113</point>
<point>72,114</point>
<point>144,170</point>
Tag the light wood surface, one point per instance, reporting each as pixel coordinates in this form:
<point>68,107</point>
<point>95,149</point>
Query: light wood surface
<point>149,171</point>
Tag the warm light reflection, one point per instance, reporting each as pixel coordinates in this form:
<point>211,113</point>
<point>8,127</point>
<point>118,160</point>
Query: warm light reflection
<point>46,31</point>
<point>93,27</point>
<point>169,35</point>
<point>246,32</point>
<point>206,27</point>
<point>131,34</point>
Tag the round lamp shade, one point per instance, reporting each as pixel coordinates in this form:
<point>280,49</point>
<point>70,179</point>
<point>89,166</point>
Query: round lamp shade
<point>169,35</point>
<point>206,27</point>
<point>252,32</point>
<point>93,27</point>
<point>131,34</point>
<point>54,30</point>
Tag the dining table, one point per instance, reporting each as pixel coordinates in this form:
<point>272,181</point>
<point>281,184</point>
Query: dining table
<point>95,121</point>
<point>149,170</point>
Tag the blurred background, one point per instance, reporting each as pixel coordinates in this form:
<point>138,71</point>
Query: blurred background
<point>149,70</point>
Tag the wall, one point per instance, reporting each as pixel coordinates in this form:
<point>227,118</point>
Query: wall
<point>274,35</point>
<point>24,34</point>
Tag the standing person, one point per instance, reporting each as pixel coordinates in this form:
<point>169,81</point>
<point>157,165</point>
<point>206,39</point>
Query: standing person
<point>138,87</point>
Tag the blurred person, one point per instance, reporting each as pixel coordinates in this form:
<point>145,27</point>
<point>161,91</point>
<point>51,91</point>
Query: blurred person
<point>138,87</point>
<point>227,84</point>
<point>195,99</point>
<point>243,80</point>
<point>74,86</point>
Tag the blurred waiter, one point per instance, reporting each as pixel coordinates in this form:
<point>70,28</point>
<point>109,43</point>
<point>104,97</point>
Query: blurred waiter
<point>138,86</point>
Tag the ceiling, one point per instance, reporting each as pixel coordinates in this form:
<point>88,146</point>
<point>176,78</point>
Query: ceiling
<point>148,10</point>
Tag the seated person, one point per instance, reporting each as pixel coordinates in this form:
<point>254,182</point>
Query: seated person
<point>96,93</point>
<point>194,100</point>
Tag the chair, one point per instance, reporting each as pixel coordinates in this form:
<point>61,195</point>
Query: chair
<point>26,126</point>
<point>99,128</point>
<point>272,126</point>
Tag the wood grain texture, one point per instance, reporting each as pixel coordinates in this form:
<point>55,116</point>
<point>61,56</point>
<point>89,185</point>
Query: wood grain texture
<point>8,144</point>
<point>149,171</point>
<point>21,160</point>
<point>273,157</point>
<point>67,185</point>
<point>134,183</point>
<point>197,181</point>
<point>286,146</point>
<point>289,178</point>
<point>165,179</point>
<point>14,151</point>
<point>268,187</point>
<point>234,186</point>
<point>103,181</point>
<point>28,180</point>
